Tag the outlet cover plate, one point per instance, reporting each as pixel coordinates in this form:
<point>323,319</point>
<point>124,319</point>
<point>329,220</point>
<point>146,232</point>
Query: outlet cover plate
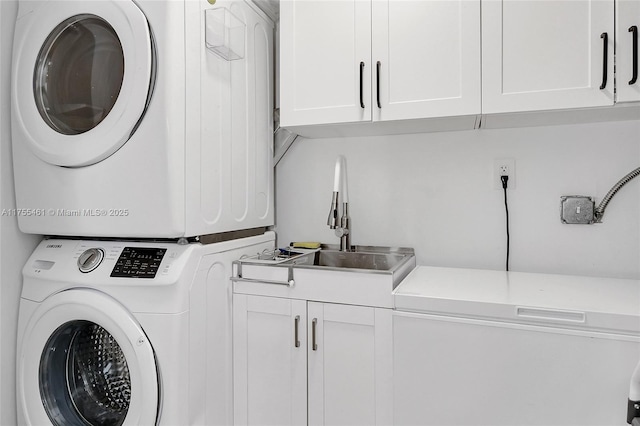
<point>577,209</point>
<point>504,166</point>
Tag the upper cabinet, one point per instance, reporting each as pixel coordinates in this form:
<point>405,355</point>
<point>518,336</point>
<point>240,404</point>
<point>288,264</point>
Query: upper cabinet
<point>408,66</point>
<point>628,24</point>
<point>352,61</point>
<point>544,55</point>
<point>426,58</point>
<point>323,44</point>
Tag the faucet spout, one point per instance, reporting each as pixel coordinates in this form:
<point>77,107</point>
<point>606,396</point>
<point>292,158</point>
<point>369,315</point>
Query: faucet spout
<point>342,229</point>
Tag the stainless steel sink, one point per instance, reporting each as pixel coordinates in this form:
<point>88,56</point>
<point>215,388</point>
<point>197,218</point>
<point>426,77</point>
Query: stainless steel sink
<point>397,262</point>
<point>363,276</point>
<point>357,260</point>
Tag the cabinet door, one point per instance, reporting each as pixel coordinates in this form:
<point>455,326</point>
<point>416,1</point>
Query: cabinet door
<point>350,365</point>
<point>323,44</point>
<point>269,361</point>
<point>541,55</point>
<point>456,371</point>
<point>627,27</point>
<point>429,58</point>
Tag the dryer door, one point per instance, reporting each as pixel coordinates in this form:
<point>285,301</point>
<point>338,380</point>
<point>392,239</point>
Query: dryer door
<point>85,360</point>
<point>83,75</point>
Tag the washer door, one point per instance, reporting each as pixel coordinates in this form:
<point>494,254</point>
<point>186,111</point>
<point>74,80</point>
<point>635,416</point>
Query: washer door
<point>85,361</point>
<point>83,75</point>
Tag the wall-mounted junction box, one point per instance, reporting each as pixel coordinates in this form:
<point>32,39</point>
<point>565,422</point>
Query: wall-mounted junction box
<point>577,209</point>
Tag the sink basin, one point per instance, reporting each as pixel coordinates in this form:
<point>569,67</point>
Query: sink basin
<point>364,276</point>
<point>357,260</point>
<point>396,262</point>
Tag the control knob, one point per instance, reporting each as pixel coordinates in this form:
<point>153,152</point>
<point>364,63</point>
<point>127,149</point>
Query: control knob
<point>90,259</point>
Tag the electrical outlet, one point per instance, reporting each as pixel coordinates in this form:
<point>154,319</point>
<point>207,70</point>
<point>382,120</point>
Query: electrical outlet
<point>504,167</point>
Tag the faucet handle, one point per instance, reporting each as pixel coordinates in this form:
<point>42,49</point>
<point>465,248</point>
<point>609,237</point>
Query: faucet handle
<point>341,232</point>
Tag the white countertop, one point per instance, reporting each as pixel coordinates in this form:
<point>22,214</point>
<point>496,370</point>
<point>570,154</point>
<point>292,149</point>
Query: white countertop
<point>607,304</point>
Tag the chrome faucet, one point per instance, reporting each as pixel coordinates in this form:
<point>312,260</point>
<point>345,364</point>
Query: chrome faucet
<point>340,185</point>
<point>633,407</point>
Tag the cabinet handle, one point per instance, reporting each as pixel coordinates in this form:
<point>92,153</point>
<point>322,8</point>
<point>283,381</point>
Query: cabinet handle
<point>296,340</point>
<point>634,33</point>
<point>605,52</point>
<point>314,345</point>
<point>378,84</point>
<point>361,85</point>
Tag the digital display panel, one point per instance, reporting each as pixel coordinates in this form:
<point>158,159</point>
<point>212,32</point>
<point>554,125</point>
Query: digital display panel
<point>138,262</point>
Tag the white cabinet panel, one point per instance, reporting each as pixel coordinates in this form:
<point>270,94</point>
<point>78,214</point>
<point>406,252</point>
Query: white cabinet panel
<point>455,371</point>
<point>347,349</point>
<point>541,55</point>
<point>322,46</point>
<point>350,61</point>
<point>627,17</point>
<point>270,371</point>
<point>341,365</point>
<point>429,58</point>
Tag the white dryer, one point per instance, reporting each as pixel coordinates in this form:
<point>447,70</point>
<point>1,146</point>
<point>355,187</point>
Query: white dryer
<point>146,118</point>
<point>127,333</point>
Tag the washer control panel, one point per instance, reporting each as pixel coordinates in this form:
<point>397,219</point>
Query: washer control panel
<point>138,262</point>
<point>90,259</point>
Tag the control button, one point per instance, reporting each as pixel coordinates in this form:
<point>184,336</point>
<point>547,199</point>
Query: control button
<point>90,259</point>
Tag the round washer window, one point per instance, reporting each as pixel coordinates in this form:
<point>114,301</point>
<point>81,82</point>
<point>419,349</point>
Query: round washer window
<point>84,377</point>
<point>78,74</point>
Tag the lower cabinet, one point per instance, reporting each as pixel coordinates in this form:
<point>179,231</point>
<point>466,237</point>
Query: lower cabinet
<point>299,362</point>
<point>464,371</point>
<point>269,361</point>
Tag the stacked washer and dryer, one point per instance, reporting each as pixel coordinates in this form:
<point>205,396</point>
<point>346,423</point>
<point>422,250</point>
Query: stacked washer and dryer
<point>143,144</point>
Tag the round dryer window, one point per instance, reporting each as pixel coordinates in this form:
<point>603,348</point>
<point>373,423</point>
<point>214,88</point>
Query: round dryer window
<point>78,75</point>
<point>84,377</point>
<point>83,77</point>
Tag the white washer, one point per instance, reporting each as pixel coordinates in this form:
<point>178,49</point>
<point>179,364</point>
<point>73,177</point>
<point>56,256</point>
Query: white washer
<point>145,119</point>
<point>141,337</point>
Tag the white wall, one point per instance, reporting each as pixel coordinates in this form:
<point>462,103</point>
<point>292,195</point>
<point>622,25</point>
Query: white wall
<point>434,192</point>
<point>2,37</point>
<point>15,247</point>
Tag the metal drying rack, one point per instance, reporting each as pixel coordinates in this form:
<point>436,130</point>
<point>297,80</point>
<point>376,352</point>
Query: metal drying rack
<point>270,257</point>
